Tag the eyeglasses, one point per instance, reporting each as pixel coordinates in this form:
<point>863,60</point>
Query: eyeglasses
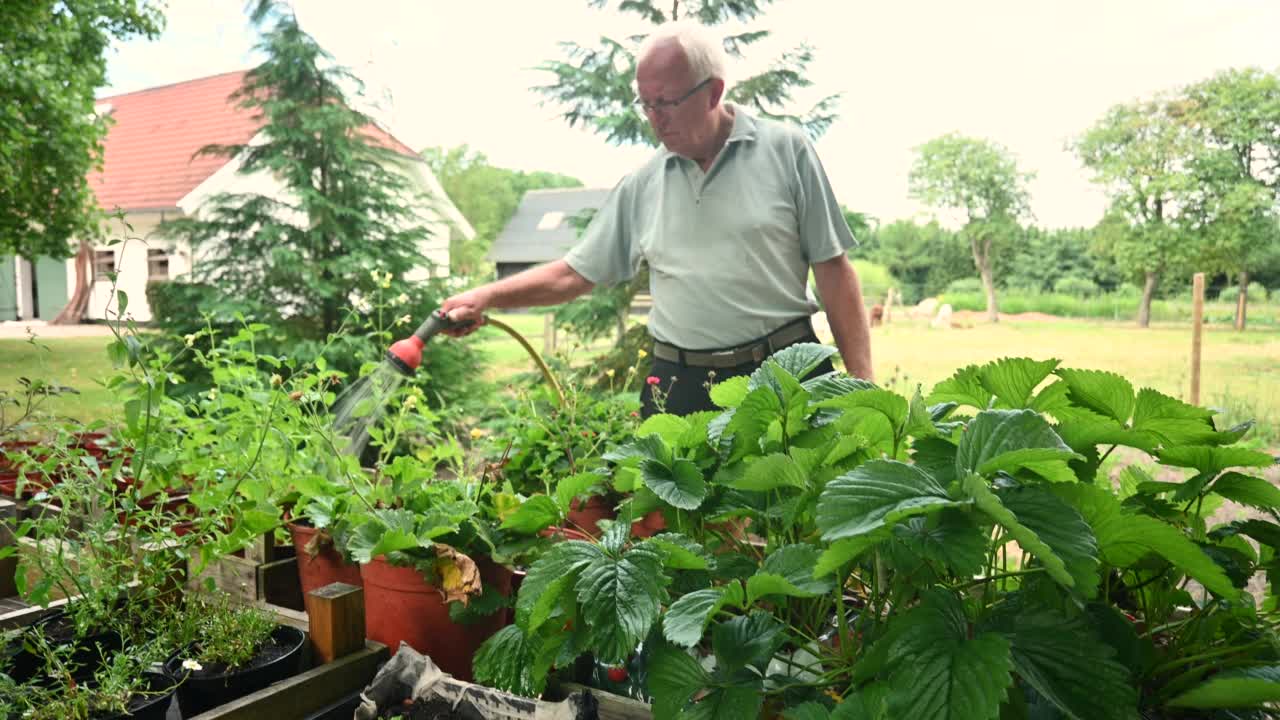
<point>656,105</point>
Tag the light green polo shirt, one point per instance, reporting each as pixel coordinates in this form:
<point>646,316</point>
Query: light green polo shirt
<point>729,250</point>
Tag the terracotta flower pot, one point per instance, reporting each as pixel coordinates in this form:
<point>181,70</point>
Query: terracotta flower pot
<point>586,516</point>
<point>649,525</point>
<point>399,605</point>
<point>319,563</point>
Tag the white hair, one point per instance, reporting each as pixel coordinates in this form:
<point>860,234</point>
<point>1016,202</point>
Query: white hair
<point>704,51</point>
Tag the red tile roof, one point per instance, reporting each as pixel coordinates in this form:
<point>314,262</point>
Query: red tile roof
<point>149,159</point>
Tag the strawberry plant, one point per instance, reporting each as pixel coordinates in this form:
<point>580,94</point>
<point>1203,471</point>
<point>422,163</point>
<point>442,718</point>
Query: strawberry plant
<point>835,549</point>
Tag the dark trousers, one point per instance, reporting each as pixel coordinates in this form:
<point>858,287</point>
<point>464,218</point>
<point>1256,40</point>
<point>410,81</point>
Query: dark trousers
<point>686,389</point>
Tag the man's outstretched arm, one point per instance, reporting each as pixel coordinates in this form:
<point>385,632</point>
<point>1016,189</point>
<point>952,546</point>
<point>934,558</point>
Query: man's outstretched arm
<point>842,296</point>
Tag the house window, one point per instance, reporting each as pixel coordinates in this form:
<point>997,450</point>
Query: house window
<point>157,265</point>
<point>104,263</point>
<point>551,220</point>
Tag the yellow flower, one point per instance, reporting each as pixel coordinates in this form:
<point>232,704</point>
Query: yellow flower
<point>190,339</point>
<point>213,394</point>
<point>476,433</point>
<point>276,380</point>
<point>376,275</point>
<point>386,280</point>
<point>410,402</point>
<point>609,372</point>
<point>642,354</point>
<point>402,299</point>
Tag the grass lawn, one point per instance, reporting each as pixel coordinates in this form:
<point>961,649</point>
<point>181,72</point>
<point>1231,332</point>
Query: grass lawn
<point>1240,371</point>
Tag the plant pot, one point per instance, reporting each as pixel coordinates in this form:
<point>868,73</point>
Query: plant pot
<point>649,525</point>
<point>59,630</point>
<point>151,707</point>
<point>319,564</point>
<point>399,605</point>
<point>585,516</point>
<point>203,690</point>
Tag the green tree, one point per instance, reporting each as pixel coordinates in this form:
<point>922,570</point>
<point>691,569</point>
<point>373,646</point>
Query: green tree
<point>52,61</point>
<point>1235,116</point>
<point>926,258</point>
<point>980,179</point>
<point>1140,153</point>
<point>487,196</point>
<point>347,209</point>
<point>595,86</point>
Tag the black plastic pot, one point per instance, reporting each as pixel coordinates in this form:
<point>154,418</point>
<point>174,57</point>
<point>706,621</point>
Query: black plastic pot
<point>87,657</point>
<point>201,692</point>
<point>152,707</point>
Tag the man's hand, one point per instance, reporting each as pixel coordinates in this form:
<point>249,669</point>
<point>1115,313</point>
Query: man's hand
<point>467,309</point>
<point>842,295</point>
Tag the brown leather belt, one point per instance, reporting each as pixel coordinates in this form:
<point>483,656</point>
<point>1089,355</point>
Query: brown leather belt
<point>753,352</point>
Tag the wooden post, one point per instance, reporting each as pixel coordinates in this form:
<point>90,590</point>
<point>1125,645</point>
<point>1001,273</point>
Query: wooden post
<point>337,620</point>
<point>548,334</point>
<point>888,307</point>
<point>1197,331</point>
<point>9,565</point>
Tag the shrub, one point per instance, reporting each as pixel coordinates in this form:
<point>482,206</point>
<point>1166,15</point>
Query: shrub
<point>1076,286</point>
<point>965,285</point>
<point>1255,292</point>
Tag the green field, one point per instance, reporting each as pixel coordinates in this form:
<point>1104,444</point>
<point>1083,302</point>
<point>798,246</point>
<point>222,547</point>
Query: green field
<point>1240,371</point>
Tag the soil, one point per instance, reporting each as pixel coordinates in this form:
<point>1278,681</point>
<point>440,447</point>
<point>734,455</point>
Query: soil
<point>435,709</point>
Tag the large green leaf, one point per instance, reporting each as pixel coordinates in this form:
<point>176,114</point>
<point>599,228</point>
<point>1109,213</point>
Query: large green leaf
<point>670,427</point>
<point>939,672</point>
<point>548,578</point>
<point>877,494</point>
<point>829,386</point>
<point>1241,688</point>
<point>1213,460</point>
<point>1125,538</point>
<point>937,457</point>
<point>1083,429</point>
<point>801,359</point>
<point>730,393</point>
<point>919,422</point>
<point>673,678</point>
<point>686,620</point>
<point>681,483</point>
<point>1248,490</point>
<point>964,388</point>
<point>989,503</point>
<point>949,538</point>
<point>1062,528</point>
<point>893,406</point>
<point>727,703</point>
<point>680,552</point>
<point>788,571</point>
<point>619,599</point>
<point>1012,380</point>
<point>769,473</point>
<point>512,661</point>
<point>1164,421</point>
<point>1066,663</point>
<point>841,552</point>
<point>1105,393</point>
<point>575,485</point>
<point>1006,440</point>
<point>747,640</point>
<point>533,515</point>
<point>751,421</point>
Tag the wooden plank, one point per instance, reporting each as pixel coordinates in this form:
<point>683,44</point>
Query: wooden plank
<point>25,616</point>
<point>262,550</point>
<point>9,565</point>
<point>286,616</point>
<point>235,576</point>
<point>303,694</point>
<point>337,620</point>
<point>612,707</point>
<point>1197,333</point>
<point>278,583</point>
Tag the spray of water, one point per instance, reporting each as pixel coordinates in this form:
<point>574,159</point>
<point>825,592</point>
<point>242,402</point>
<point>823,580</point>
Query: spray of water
<point>361,406</point>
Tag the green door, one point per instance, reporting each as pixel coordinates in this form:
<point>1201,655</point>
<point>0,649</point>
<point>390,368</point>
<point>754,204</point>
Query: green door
<point>8,288</point>
<point>51,287</point>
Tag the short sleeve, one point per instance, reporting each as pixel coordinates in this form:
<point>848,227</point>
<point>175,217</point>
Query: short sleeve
<point>824,233</point>
<point>603,255</point>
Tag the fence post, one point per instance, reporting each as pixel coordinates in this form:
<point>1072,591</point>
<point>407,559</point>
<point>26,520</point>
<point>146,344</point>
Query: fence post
<point>1197,331</point>
<point>337,620</point>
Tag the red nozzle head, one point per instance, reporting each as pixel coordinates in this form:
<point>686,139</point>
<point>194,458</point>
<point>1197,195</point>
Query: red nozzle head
<point>406,355</point>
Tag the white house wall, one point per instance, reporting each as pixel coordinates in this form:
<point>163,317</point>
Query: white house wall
<point>131,265</point>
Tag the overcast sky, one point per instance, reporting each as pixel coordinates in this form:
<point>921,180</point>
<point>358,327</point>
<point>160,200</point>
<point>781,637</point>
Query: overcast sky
<point>1026,73</point>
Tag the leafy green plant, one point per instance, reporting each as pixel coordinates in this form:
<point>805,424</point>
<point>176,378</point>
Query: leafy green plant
<point>219,636</point>
<point>958,556</point>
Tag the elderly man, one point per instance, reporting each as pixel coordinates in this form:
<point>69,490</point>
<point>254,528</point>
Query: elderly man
<point>730,215</point>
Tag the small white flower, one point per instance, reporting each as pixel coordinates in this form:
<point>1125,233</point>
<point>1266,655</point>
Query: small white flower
<point>376,275</point>
<point>410,402</point>
<point>362,305</point>
<point>404,320</point>
<point>402,299</point>
<point>213,394</point>
<point>191,339</point>
<point>276,380</point>
<point>192,665</point>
